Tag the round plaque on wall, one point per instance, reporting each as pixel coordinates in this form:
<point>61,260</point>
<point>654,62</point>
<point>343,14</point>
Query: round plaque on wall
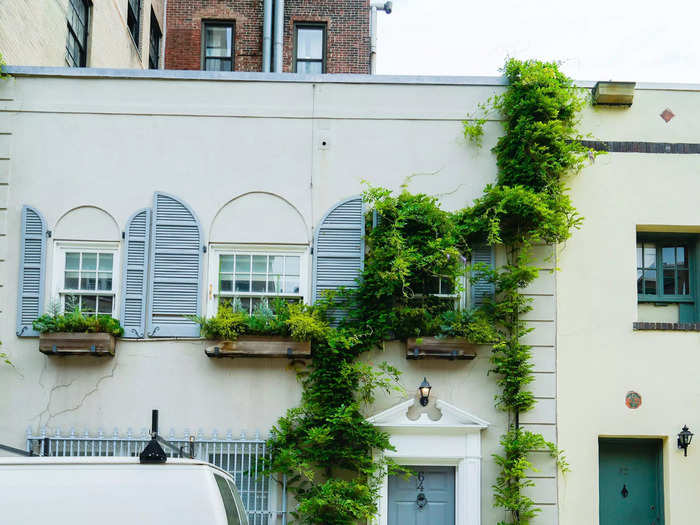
<point>633,400</point>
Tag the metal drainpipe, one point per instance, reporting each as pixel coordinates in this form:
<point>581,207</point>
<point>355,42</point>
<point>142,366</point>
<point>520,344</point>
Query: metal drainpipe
<point>267,35</point>
<point>372,39</point>
<point>373,8</point>
<point>279,36</point>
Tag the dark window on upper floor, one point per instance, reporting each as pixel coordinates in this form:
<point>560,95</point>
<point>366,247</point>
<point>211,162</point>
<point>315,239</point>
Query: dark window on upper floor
<point>154,51</point>
<point>133,19</point>
<point>217,46</point>
<point>666,272</point>
<point>76,43</point>
<point>309,48</point>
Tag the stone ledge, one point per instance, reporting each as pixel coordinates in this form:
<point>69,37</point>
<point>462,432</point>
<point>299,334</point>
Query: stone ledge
<point>674,327</point>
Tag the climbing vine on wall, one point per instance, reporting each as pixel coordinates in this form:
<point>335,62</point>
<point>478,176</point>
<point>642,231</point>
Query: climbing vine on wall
<point>329,453</point>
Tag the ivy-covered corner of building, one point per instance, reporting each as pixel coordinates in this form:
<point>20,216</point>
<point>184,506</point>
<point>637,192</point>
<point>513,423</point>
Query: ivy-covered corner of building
<point>329,453</point>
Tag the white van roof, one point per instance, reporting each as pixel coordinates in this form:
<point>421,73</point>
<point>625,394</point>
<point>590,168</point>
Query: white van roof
<point>109,491</point>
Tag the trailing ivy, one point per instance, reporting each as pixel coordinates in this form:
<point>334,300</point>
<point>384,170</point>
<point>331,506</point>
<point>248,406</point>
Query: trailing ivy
<point>415,250</point>
<point>539,148</point>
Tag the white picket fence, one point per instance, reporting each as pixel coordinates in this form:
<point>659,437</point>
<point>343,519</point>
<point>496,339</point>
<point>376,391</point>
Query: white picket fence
<point>265,498</point>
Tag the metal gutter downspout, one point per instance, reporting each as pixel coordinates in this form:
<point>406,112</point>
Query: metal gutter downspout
<point>279,36</point>
<point>267,35</point>
<point>373,8</point>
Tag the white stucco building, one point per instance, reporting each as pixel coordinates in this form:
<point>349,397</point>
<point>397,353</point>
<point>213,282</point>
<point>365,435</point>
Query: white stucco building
<point>117,171</point>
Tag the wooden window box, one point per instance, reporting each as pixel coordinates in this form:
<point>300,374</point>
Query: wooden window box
<point>68,343</point>
<point>451,348</point>
<point>261,346</point>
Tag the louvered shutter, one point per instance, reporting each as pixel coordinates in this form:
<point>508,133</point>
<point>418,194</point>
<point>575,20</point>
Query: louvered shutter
<point>30,302</point>
<point>482,288</point>
<point>175,269</point>
<point>339,250</point>
<point>135,274</point>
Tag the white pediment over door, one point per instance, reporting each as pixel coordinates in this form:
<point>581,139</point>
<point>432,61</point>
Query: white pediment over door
<point>452,439</point>
<point>451,417</point>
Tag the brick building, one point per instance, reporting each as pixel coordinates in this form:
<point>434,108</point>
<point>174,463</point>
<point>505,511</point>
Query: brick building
<point>305,36</point>
<point>82,33</point>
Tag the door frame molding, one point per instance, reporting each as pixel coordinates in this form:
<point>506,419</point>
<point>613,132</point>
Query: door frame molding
<point>452,440</point>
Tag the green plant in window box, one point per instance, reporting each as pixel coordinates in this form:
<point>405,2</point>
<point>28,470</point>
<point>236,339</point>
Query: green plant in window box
<point>75,321</point>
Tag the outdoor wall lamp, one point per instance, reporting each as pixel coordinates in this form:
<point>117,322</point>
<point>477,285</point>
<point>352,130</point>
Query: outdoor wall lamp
<point>424,390</point>
<point>685,436</point>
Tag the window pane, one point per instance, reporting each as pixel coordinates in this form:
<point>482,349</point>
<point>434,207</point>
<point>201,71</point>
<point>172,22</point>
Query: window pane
<point>669,281</point>
<point>274,284</point>
<point>226,264</point>
<point>650,282</point>
<point>89,261</point>
<point>668,255</point>
<point>106,260</point>
<point>217,64</point>
<point>681,256</point>
<point>259,263</point>
<point>640,263</point>
<point>683,283</point>
<point>275,264</point>
<point>291,285</point>
<point>71,281</point>
<point>226,283</point>
<point>649,255</point>
<point>105,281</point>
<point>243,263</point>
<point>88,303</point>
<point>104,305</point>
<point>258,283</point>
<point>88,280</point>
<point>433,285</point>
<point>72,261</point>
<point>639,281</point>
<point>255,303</point>
<point>292,265</point>
<point>218,41</point>
<point>310,43</point>
<point>242,284</point>
<point>311,68</point>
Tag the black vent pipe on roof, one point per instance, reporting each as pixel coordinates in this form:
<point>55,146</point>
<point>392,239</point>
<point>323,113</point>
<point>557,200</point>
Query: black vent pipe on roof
<point>153,453</point>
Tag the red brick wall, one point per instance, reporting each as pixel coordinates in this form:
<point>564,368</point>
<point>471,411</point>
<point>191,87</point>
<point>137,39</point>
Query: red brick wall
<point>347,32</point>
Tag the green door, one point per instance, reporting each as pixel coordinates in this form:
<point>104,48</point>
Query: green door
<point>631,485</point>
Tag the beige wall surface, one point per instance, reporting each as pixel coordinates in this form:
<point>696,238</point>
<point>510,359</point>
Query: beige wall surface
<point>299,148</point>
<point>600,358</point>
<point>34,32</point>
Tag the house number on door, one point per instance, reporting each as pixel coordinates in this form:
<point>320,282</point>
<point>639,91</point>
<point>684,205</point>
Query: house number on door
<point>421,500</point>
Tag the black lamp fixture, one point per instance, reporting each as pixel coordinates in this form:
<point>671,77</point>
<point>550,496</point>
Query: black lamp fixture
<point>424,390</point>
<point>685,436</point>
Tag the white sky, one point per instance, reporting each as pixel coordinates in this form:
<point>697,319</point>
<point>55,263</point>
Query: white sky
<point>637,40</point>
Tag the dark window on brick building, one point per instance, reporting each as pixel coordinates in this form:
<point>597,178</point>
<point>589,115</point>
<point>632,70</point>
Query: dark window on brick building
<point>310,48</point>
<point>217,46</point>
<point>76,44</point>
<point>154,51</point>
<point>133,19</point>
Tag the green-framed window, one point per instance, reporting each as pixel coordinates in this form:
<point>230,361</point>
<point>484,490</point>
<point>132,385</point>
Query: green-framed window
<point>665,267</point>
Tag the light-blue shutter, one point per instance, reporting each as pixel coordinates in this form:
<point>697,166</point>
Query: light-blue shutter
<point>135,274</point>
<point>175,269</point>
<point>482,288</point>
<point>30,296</point>
<point>339,249</point>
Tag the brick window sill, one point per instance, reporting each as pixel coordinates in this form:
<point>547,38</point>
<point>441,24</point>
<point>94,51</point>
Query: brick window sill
<point>673,327</point>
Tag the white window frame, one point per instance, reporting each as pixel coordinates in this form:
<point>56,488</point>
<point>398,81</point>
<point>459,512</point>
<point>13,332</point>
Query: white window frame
<point>217,250</point>
<point>59,267</point>
<point>461,298</point>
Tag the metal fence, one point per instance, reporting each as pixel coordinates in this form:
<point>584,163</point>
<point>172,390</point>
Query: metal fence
<point>265,498</point>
